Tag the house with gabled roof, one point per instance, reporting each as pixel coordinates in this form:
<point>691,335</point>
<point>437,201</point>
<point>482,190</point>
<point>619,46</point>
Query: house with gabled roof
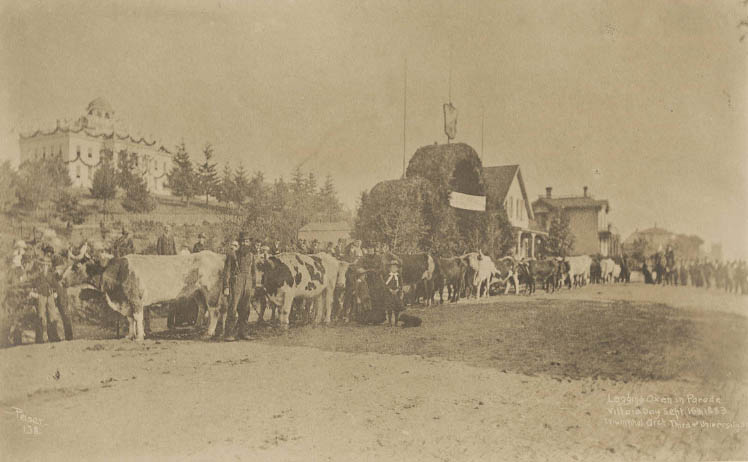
<point>588,221</point>
<point>505,186</point>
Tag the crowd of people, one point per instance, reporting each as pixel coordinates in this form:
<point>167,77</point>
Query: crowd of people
<point>665,269</point>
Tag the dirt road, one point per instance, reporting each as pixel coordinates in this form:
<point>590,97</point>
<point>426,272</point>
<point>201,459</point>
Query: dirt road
<point>452,391</point>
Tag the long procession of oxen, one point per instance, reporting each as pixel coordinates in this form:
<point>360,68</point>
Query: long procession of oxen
<point>364,287</point>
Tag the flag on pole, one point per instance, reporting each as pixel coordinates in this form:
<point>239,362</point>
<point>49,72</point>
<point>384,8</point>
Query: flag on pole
<point>450,121</point>
<point>463,201</point>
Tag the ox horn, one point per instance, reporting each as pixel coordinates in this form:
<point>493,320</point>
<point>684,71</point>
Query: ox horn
<point>110,302</point>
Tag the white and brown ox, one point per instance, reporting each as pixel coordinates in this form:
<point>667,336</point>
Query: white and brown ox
<point>481,270</point>
<point>293,275</point>
<point>133,282</point>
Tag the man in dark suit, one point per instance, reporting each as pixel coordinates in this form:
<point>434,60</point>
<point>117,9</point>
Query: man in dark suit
<point>166,244</point>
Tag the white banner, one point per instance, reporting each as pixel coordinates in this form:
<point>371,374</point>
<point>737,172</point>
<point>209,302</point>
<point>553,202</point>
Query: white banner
<point>467,202</point>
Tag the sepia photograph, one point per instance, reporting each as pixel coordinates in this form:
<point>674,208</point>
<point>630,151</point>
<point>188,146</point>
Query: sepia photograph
<point>392,230</point>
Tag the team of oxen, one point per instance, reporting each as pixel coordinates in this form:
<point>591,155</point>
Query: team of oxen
<point>319,287</point>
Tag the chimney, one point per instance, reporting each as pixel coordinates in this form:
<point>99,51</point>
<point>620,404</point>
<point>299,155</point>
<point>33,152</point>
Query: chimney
<point>585,191</point>
<point>548,192</point>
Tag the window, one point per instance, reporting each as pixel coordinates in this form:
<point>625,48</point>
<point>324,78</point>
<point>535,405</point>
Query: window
<point>78,171</point>
<point>90,155</point>
<point>511,208</point>
<point>59,152</point>
<point>44,153</point>
<point>78,151</point>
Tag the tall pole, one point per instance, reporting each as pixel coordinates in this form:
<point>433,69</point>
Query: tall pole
<point>450,75</point>
<point>405,106</point>
<point>482,125</point>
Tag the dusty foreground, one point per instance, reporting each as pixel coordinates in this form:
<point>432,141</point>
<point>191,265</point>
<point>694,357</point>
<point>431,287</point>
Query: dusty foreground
<point>596,375</point>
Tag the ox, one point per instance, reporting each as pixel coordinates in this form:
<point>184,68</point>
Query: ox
<point>415,269</point>
<point>616,273</point>
<point>507,268</point>
<point>133,282</point>
<point>579,270</point>
<point>288,276</point>
<point>607,266</point>
<point>450,273</point>
<point>481,271</point>
<point>547,271</point>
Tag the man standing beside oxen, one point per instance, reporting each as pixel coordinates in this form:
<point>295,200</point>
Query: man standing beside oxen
<point>238,285</point>
<point>45,290</point>
<point>200,244</point>
<point>166,244</point>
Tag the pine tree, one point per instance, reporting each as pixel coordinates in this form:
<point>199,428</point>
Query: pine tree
<point>182,179</point>
<point>104,183</point>
<point>124,174</point>
<point>225,190</point>
<point>137,198</point>
<point>207,175</point>
<point>311,184</point>
<point>241,185</point>
<point>297,181</point>
<point>329,202</point>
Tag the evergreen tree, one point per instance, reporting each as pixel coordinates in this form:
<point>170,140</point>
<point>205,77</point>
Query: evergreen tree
<point>69,208</point>
<point>241,185</point>
<point>225,190</point>
<point>297,181</point>
<point>560,241</point>
<point>104,183</point>
<point>182,179</point>
<point>331,207</point>
<point>7,186</point>
<point>39,181</point>
<point>137,198</point>
<point>125,174</point>
<point>207,175</point>
<point>311,184</point>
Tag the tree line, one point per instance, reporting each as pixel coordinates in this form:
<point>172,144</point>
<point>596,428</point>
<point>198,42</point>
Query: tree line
<point>270,208</point>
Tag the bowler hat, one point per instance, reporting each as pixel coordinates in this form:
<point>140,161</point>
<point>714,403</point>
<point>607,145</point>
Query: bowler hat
<point>243,236</point>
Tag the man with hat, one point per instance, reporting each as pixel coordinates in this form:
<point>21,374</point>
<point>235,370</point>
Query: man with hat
<point>200,245</point>
<point>45,288</point>
<point>123,245</point>
<point>165,244</point>
<point>239,285</point>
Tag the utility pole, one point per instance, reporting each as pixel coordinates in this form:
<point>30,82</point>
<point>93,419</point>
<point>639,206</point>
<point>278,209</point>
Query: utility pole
<point>405,107</point>
<point>482,126</point>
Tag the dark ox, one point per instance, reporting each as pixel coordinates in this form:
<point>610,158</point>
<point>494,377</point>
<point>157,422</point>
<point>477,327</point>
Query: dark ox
<point>293,275</point>
<point>369,300</point>
<point>133,282</point>
<point>449,273</point>
<point>546,271</point>
<point>415,270</point>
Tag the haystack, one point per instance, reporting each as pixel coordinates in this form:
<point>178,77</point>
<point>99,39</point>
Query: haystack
<point>448,167</point>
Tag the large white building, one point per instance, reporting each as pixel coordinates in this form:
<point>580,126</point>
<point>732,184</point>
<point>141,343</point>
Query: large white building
<point>84,142</point>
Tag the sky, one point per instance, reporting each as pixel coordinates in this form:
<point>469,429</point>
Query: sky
<point>644,101</point>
